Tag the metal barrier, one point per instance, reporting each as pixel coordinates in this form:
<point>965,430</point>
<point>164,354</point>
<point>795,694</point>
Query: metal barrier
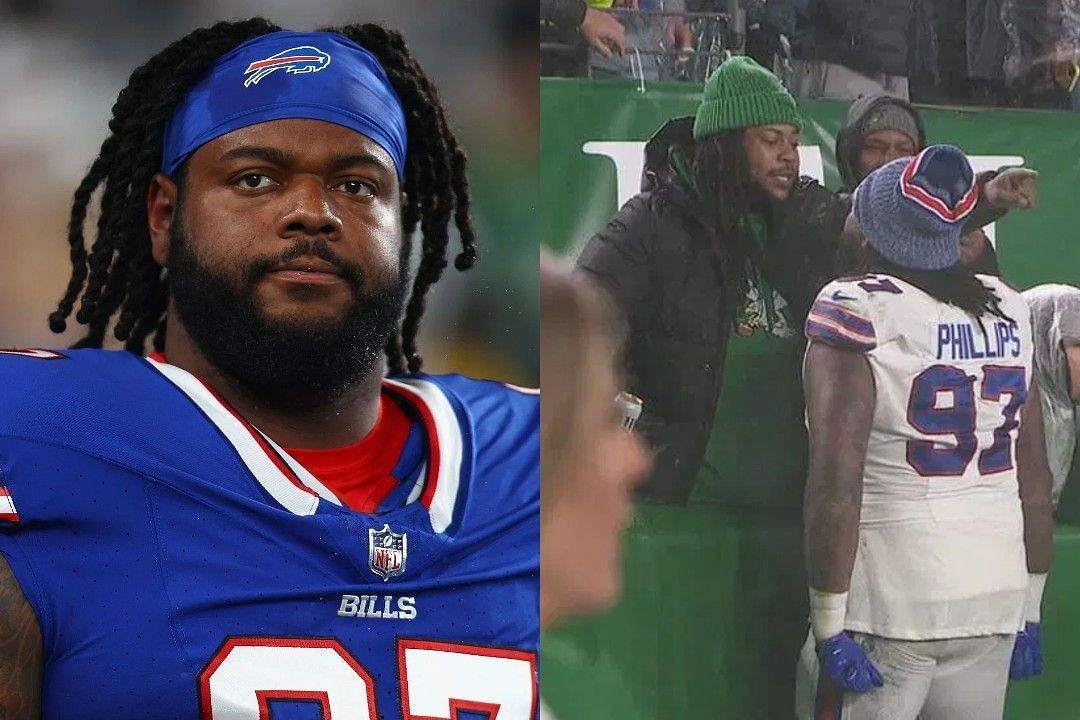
<point>713,39</point>
<point>715,36</point>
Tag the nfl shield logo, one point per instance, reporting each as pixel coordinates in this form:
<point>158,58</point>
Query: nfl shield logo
<point>387,551</point>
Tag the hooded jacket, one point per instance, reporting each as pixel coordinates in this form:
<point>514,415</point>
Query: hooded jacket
<point>868,36</point>
<point>668,272</point>
<point>849,139</point>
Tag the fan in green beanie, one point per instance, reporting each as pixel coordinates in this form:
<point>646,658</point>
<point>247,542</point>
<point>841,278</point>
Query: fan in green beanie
<point>740,93</point>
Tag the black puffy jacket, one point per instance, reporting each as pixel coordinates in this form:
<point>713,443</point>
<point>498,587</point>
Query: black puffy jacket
<point>665,267</point>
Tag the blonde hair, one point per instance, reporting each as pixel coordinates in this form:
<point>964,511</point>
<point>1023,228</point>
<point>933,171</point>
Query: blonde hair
<point>576,337</point>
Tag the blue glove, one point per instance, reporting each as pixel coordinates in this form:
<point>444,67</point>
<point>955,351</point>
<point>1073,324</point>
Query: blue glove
<point>848,664</point>
<point>1027,658</point>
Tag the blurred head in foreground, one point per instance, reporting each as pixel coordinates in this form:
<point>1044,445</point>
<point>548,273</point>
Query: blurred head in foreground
<point>589,462</point>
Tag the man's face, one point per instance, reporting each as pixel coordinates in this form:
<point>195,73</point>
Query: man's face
<point>285,259</point>
<point>881,147</point>
<point>772,152</point>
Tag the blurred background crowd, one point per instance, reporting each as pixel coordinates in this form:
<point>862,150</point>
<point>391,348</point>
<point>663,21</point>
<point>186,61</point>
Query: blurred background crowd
<point>1000,53</point>
<point>64,61</point>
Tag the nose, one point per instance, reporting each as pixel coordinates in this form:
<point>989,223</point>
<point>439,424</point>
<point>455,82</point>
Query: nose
<point>308,210</point>
<point>789,153</point>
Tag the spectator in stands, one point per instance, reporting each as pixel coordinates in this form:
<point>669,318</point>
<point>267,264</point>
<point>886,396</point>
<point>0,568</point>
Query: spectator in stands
<point>1034,29</point>
<point>770,25</point>
<point>646,35</point>
<point>563,20</point>
<point>1055,321</point>
<point>1064,53</point>
<point>850,48</point>
<point>695,258</point>
<point>880,128</point>
<point>993,52</point>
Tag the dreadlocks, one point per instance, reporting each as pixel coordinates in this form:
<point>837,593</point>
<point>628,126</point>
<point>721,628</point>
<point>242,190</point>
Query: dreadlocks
<point>722,173</point>
<point>119,274</point>
<point>956,285</point>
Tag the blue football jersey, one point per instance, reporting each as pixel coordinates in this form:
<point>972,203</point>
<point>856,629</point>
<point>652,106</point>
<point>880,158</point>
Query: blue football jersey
<point>182,565</point>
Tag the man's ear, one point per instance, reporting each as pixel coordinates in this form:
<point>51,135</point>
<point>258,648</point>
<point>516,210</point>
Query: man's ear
<point>160,215</point>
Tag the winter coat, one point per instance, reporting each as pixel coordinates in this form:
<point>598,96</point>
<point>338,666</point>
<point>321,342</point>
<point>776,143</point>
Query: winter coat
<point>868,36</point>
<point>671,276</point>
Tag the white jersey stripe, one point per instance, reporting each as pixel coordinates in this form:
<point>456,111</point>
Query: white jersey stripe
<point>450,447</point>
<point>295,499</point>
<point>303,475</point>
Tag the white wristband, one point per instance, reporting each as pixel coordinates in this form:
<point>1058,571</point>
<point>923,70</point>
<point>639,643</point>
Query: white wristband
<point>827,613</point>
<point>1033,606</point>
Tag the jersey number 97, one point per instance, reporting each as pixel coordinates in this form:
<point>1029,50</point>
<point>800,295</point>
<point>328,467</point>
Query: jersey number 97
<point>929,416</point>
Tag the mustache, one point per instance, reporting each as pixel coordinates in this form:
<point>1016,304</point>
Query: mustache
<point>351,272</point>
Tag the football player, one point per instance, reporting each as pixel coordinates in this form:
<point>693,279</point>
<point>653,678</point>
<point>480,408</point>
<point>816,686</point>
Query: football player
<point>927,510</point>
<point>253,521</point>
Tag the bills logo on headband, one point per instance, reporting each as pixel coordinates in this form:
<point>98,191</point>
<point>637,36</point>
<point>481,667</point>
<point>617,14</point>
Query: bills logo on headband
<point>941,182</point>
<point>297,60</point>
<point>387,552</point>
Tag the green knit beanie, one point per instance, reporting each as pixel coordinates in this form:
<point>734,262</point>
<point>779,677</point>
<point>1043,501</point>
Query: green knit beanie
<point>740,93</point>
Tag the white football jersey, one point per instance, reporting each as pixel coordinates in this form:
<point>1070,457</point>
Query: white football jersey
<point>941,547</point>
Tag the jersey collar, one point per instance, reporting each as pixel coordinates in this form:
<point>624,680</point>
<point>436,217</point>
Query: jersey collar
<point>297,490</point>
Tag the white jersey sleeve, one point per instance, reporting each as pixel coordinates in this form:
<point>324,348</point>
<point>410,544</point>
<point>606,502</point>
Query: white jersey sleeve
<point>941,549</point>
<point>843,314</point>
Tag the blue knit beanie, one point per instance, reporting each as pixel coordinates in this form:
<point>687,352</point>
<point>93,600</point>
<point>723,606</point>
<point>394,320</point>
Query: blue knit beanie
<point>912,209</point>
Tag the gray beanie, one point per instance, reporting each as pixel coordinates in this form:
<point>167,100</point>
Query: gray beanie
<point>891,116</point>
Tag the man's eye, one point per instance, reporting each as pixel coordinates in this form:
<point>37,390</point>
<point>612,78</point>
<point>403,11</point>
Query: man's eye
<point>254,181</point>
<point>357,187</point>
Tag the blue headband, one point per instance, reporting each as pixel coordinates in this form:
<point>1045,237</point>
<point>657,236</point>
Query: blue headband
<point>315,76</point>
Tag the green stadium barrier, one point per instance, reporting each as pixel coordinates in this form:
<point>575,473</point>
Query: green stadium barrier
<point>714,610</point>
<point>714,615</point>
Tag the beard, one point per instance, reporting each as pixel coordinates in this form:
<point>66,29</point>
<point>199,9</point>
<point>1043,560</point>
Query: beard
<point>284,363</point>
